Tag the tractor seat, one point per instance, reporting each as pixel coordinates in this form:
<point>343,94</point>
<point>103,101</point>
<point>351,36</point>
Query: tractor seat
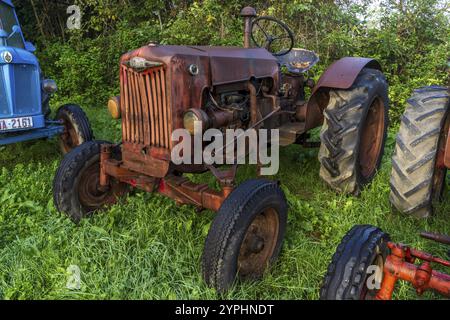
<point>299,61</point>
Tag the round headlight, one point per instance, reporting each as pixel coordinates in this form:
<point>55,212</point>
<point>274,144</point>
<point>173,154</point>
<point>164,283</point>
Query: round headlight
<point>114,107</point>
<point>195,115</point>
<point>49,86</point>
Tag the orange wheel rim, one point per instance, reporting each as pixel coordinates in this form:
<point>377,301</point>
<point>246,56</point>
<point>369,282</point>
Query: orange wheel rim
<point>259,244</point>
<point>372,139</point>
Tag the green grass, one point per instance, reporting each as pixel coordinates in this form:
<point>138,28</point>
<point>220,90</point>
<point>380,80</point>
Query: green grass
<point>149,248</point>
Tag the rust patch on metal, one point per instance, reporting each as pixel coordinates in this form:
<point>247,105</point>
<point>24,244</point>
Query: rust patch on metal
<point>447,152</point>
<point>92,195</point>
<point>248,13</point>
<point>147,120</point>
<point>151,161</point>
<point>372,138</point>
<point>343,73</point>
<point>400,265</point>
<point>442,160</point>
<point>259,244</point>
<point>340,75</point>
<point>184,191</point>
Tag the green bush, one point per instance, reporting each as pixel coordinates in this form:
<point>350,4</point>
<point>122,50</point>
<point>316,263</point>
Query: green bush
<point>410,39</point>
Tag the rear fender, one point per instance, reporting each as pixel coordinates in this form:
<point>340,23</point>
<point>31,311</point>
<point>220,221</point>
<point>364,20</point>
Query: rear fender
<point>340,75</point>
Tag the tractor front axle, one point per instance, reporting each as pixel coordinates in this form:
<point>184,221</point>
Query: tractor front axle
<point>181,189</point>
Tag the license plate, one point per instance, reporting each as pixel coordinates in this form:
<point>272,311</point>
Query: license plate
<point>16,124</point>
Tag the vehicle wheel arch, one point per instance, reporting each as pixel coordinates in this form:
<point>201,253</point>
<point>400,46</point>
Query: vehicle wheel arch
<point>342,74</point>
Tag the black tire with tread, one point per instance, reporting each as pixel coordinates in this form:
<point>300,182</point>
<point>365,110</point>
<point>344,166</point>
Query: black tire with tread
<point>342,130</point>
<point>347,273</point>
<point>414,160</point>
<point>77,117</point>
<point>223,243</point>
<point>65,196</point>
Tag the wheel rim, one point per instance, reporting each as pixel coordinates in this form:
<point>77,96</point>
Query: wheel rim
<point>372,139</point>
<point>70,138</point>
<point>440,171</point>
<point>89,194</point>
<point>259,244</point>
<point>370,294</point>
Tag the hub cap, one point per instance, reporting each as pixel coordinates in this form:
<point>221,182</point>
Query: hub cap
<point>89,194</point>
<point>259,244</point>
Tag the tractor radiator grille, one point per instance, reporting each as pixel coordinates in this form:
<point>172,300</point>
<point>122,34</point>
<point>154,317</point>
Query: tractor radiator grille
<point>26,81</point>
<point>145,107</point>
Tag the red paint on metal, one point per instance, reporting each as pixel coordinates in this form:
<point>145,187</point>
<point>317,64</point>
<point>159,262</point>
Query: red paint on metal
<point>422,277</point>
<point>162,186</point>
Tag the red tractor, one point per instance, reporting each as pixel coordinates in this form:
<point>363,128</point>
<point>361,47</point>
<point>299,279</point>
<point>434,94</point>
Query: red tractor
<point>260,86</point>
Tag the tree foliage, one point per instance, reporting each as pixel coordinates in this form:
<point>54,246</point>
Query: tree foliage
<point>409,37</point>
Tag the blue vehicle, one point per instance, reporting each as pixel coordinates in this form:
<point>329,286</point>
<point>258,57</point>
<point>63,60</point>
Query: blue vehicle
<point>25,94</point>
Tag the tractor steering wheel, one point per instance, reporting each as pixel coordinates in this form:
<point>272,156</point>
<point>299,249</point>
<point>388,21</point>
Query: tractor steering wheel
<point>272,34</point>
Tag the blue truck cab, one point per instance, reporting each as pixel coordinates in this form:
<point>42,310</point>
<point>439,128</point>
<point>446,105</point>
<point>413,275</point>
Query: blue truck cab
<point>25,94</point>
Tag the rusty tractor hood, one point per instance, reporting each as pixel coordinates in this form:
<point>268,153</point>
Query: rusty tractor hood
<point>157,90</point>
<point>221,65</point>
<point>215,66</point>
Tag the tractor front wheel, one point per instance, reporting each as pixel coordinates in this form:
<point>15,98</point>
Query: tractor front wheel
<point>77,129</point>
<point>247,234</point>
<point>354,133</point>
<point>357,268</point>
<point>76,187</point>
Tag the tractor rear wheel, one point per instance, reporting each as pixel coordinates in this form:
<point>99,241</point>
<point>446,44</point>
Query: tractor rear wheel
<point>246,235</point>
<point>76,189</point>
<point>418,171</point>
<point>354,133</point>
<point>357,268</point>
<point>77,127</point>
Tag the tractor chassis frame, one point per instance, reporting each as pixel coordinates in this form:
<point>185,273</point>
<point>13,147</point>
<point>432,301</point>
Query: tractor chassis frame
<point>178,188</point>
<point>400,265</point>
